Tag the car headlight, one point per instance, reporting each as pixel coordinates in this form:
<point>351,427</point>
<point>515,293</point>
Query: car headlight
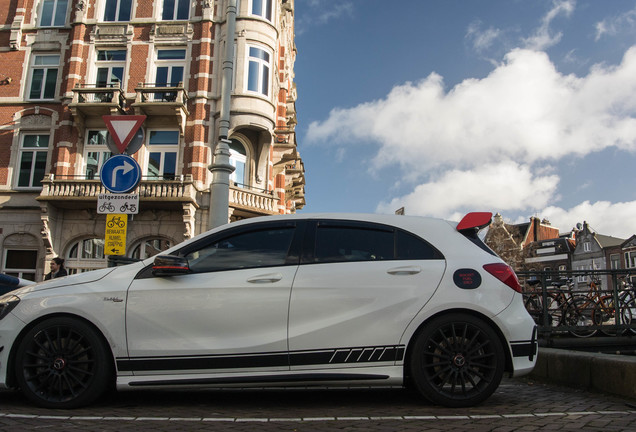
<point>7,303</point>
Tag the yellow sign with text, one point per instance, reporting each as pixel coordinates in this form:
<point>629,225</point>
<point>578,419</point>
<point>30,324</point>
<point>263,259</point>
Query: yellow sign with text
<point>115,238</point>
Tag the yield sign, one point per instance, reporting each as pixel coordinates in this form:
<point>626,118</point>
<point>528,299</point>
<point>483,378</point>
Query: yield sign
<point>122,128</point>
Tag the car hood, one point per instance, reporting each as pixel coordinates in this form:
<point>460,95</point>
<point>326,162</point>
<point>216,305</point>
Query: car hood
<point>80,278</point>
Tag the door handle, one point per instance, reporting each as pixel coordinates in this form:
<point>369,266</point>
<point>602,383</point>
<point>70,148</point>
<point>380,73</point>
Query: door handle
<point>266,278</point>
<point>404,271</point>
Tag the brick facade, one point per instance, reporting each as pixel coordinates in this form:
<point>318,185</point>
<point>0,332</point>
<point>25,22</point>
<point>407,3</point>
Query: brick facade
<point>57,215</point>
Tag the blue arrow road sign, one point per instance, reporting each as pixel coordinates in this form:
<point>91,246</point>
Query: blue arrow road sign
<point>120,174</point>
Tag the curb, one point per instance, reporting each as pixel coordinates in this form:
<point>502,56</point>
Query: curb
<point>607,373</point>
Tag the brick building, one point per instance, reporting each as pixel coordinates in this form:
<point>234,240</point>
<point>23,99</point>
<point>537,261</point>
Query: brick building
<point>67,63</point>
<point>512,242</point>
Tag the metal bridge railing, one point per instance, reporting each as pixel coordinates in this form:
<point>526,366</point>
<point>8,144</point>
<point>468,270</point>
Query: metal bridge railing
<point>581,303</point>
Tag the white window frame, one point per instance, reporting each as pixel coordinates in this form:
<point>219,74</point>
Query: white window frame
<point>163,149</point>
<point>102,13</point>
<point>630,259</point>
<point>56,5</point>
<point>110,65</point>
<point>33,184</point>
<point>46,63</point>
<point>80,264</point>
<point>587,246</point>
<point>140,247</point>
<point>22,272</point>
<point>238,158</point>
<point>170,64</point>
<point>262,8</point>
<point>175,10</point>
<point>261,65</point>
<point>100,147</point>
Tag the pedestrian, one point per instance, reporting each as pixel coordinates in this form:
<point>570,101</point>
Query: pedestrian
<point>57,269</point>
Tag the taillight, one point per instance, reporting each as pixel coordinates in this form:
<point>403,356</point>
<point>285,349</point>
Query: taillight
<point>504,273</point>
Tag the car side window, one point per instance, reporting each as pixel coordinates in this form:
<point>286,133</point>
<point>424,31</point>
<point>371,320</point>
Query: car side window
<point>266,247</point>
<point>411,247</point>
<point>345,244</point>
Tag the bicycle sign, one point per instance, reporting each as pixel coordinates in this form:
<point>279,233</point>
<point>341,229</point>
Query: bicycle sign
<point>118,203</point>
<point>115,234</point>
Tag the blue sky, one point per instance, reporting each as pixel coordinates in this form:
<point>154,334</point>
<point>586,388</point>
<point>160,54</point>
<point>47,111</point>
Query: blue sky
<point>526,108</point>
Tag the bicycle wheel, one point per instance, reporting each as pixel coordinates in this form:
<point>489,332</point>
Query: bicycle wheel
<point>627,305</point>
<point>555,310</point>
<point>579,313</point>
<point>606,315</point>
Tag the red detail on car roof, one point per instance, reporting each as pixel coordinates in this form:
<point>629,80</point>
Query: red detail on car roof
<point>475,220</point>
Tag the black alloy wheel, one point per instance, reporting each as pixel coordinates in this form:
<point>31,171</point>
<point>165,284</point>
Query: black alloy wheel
<point>457,361</point>
<point>63,363</point>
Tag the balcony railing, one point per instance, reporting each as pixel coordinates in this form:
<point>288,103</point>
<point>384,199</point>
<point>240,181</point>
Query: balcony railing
<point>257,200</point>
<point>94,99</point>
<point>79,188</point>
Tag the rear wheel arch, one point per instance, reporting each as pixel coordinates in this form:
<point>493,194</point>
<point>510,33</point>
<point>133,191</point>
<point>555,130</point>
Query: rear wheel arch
<point>423,326</point>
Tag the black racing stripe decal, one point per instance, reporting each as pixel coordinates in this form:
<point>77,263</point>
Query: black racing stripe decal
<point>331,356</point>
<point>270,379</point>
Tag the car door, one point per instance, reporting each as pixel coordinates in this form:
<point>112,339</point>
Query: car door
<point>356,291</point>
<point>230,312</point>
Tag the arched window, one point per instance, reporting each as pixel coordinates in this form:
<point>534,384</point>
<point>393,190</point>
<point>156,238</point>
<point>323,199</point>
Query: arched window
<point>85,255</point>
<point>150,247</point>
<point>238,159</point>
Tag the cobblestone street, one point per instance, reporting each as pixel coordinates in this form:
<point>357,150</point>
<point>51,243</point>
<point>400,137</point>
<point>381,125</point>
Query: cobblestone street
<point>517,405</point>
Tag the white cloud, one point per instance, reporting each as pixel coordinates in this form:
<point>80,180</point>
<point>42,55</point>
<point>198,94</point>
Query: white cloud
<point>543,37</point>
<point>481,39</point>
<point>503,186</point>
<point>616,25</point>
<point>524,110</point>
<point>604,217</point>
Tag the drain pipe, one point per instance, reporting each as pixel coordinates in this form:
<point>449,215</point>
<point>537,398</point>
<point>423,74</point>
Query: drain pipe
<point>221,168</point>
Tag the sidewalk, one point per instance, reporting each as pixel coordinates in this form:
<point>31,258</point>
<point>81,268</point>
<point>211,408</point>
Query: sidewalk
<point>607,373</point>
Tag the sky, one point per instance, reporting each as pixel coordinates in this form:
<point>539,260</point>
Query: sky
<point>523,108</point>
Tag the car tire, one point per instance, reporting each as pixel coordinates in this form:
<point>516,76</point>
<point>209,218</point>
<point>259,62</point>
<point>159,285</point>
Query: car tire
<point>64,363</point>
<point>457,360</point>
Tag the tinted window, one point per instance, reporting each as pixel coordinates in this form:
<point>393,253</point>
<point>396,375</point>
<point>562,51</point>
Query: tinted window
<point>259,248</point>
<point>341,243</point>
<point>411,247</point>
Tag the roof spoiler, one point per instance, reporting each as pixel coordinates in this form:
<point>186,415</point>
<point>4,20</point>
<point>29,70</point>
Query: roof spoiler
<point>473,222</point>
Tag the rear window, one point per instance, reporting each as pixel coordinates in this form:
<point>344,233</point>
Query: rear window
<point>346,242</point>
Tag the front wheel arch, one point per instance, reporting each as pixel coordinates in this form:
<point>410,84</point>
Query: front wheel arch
<point>11,376</point>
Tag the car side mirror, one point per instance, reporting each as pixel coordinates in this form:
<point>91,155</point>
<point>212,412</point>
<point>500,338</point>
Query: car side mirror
<point>170,265</point>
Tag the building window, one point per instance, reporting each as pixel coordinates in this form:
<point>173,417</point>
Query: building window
<point>44,76</point>
<point>238,159</point>
<point>262,8</point>
<point>258,71</point>
<point>587,247</point>
<point>86,255</point>
<point>53,13</point>
<point>175,10</point>
<point>615,261</point>
<point>110,68</point>
<point>630,259</point>
<point>33,153</point>
<point>117,10</point>
<point>20,263</point>
<point>149,248</point>
<point>162,155</point>
<point>95,153</point>
<point>170,67</point>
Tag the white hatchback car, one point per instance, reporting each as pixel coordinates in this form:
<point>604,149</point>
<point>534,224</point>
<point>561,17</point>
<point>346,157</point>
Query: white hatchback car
<point>309,300</point>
